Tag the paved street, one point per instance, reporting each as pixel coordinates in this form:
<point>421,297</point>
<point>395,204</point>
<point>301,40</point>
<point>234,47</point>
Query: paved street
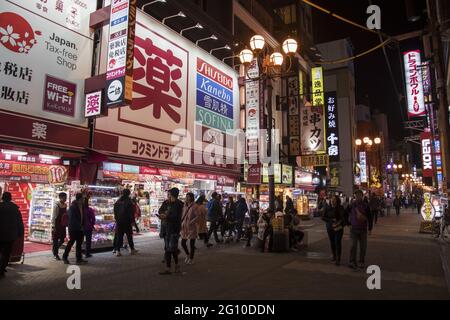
<point>410,264</point>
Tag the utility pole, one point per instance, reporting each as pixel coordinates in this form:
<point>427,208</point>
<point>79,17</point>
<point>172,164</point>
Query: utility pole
<point>443,114</point>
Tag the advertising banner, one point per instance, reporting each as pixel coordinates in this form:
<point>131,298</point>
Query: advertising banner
<point>313,129</point>
<point>414,83</point>
<point>45,55</point>
<point>178,89</point>
<point>427,159</point>
<point>332,126</point>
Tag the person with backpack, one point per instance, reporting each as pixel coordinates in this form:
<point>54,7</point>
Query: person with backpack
<point>124,216</point>
<point>76,226</point>
<point>359,225</point>
<point>172,218</point>
<point>214,216</point>
<point>11,229</point>
<point>59,224</point>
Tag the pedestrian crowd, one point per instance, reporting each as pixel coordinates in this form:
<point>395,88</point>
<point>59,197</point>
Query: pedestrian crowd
<point>276,230</point>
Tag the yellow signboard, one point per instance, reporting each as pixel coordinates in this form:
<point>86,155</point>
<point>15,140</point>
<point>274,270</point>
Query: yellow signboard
<point>315,160</point>
<point>317,87</point>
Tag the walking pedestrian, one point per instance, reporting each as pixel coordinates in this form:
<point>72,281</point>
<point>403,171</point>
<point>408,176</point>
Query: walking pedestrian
<point>88,227</point>
<point>229,225</point>
<point>358,234</point>
<point>202,213</point>
<point>137,213</point>
<point>76,226</point>
<point>124,215</point>
<point>265,229</point>
<point>59,224</point>
<point>289,205</point>
<point>189,227</point>
<point>335,222</point>
<point>11,229</point>
<point>375,207</point>
<point>397,205</point>
<point>162,231</point>
<point>214,216</point>
<point>419,203</point>
<point>389,203</point>
<point>173,227</point>
<point>241,211</point>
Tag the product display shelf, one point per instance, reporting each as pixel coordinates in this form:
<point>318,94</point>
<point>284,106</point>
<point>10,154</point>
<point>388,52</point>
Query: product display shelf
<point>41,211</point>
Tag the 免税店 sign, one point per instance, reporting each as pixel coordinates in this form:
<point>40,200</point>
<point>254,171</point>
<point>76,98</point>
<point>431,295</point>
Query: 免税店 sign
<point>414,83</point>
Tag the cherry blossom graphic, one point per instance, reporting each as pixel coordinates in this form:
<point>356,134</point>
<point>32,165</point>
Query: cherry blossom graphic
<point>16,34</point>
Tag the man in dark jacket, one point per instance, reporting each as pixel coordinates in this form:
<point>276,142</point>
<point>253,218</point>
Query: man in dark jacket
<point>11,228</point>
<point>76,215</point>
<point>214,216</point>
<point>172,218</point>
<point>289,205</point>
<point>359,223</point>
<point>241,210</point>
<point>124,216</point>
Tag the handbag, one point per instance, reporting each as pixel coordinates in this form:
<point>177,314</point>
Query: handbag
<point>360,216</point>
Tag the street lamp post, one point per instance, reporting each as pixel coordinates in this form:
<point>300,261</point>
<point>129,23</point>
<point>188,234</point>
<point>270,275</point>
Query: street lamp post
<point>367,143</point>
<point>269,68</point>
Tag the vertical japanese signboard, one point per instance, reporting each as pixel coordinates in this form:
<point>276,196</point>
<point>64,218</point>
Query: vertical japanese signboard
<point>363,165</point>
<point>313,129</point>
<point>414,83</point>
<point>332,127</point>
<point>293,116</point>
<point>252,109</point>
<point>313,139</point>
<point>119,70</point>
<point>427,159</point>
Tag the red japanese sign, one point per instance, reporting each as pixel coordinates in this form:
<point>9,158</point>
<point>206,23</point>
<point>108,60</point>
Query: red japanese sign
<point>37,173</point>
<point>148,170</point>
<point>214,74</point>
<point>202,176</point>
<point>427,159</point>
<point>254,174</point>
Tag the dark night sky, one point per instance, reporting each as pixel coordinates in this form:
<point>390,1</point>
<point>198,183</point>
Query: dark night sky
<point>371,72</point>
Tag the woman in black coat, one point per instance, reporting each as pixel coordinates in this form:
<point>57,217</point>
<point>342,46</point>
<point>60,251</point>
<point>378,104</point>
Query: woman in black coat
<point>335,221</point>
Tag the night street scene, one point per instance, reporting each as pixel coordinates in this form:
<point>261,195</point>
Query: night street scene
<point>224,157</point>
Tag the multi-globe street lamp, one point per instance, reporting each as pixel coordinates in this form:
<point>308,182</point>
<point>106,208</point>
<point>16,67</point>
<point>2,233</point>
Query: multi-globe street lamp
<point>270,67</point>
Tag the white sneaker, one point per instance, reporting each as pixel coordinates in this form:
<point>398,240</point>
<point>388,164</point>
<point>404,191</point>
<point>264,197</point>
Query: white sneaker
<point>134,251</point>
<point>186,260</point>
<point>190,262</point>
<point>118,254</point>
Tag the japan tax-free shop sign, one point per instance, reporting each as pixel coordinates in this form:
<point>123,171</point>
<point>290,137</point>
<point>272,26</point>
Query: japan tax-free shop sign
<point>45,55</point>
<point>176,84</point>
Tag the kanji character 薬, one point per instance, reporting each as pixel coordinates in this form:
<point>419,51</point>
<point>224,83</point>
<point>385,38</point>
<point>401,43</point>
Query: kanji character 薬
<point>39,131</point>
<point>161,70</point>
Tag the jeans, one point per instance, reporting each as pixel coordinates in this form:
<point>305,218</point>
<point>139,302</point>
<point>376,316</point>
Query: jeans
<point>358,236</point>
<point>213,229</point>
<point>122,230</point>
<point>397,210</point>
<point>185,248</point>
<point>88,235</point>
<point>58,241</point>
<point>171,249</point>
<point>74,236</point>
<point>336,242</point>
<point>5,254</point>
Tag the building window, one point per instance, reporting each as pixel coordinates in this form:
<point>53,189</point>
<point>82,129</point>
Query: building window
<point>287,14</point>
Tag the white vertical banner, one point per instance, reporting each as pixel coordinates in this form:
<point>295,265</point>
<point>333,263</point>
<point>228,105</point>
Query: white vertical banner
<point>414,83</point>
<point>363,164</point>
<point>252,96</point>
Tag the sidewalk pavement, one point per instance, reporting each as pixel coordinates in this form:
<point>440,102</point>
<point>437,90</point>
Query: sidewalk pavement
<point>411,268</point>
